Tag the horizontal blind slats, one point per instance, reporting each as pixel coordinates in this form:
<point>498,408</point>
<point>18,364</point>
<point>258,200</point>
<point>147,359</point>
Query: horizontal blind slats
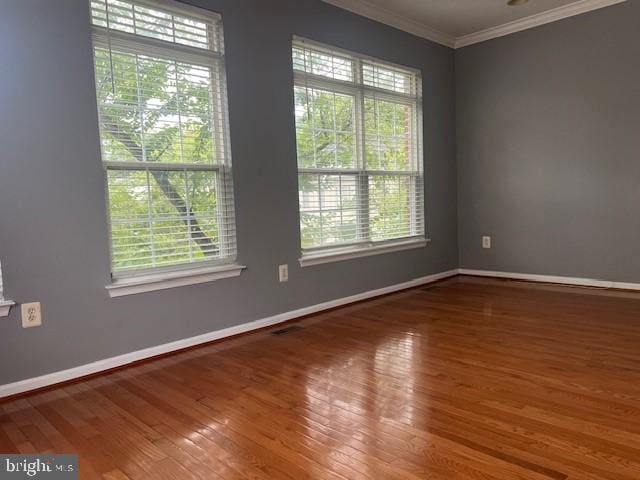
<point>169,220</point>
<point>141,99</point>
<point>156,22</point>
<point>331,206</point>
<point>317,61</point>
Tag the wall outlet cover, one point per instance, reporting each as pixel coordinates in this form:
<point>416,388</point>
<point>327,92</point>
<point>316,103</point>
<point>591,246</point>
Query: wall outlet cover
<point>486,242</point>
<point>31,315</point>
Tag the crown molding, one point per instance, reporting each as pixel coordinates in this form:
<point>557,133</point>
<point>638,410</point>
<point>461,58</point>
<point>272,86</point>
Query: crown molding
<point>386,16</point>
<point>560,13</point>
<point>383,15</point>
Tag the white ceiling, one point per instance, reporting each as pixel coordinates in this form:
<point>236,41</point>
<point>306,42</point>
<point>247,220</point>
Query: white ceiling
<point>462,22</point>
<point>462,17</point>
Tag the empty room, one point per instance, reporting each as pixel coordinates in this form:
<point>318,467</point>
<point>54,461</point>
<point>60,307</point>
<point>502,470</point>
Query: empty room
<point>320,239</point>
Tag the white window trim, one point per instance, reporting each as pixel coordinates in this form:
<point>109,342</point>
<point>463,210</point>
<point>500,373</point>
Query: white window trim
<point>324,254</point>
<point>5,306</point>
<point>171,279</point>
<point>319,257</point>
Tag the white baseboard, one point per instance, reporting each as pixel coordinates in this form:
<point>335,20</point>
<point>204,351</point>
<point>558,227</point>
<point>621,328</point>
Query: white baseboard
<point>121,360</point>
<point>583,282</point>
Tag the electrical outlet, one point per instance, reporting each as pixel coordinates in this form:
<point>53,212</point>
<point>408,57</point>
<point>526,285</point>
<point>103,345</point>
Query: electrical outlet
<point>31,315</point>
<point>486,242</point>
<point>283,272</point>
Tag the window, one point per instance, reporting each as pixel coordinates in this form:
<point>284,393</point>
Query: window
<point>1,288</point>
<point>160,82</point>
<point>358,133</point>
<point>5,305</point>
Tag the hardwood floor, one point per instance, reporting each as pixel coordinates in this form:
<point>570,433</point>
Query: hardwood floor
<point>465,379</point>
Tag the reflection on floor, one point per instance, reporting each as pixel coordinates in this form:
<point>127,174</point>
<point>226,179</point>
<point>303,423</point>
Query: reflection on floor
<point>465,379</point>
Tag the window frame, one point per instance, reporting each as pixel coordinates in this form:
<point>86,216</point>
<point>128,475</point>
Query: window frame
<point>213,59</point>
<point>5,305</point>
<point>360,91</point>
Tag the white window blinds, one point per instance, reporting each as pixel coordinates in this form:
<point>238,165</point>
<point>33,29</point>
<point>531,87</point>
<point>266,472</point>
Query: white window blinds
<point>358,131</point>
<point>161,90</point>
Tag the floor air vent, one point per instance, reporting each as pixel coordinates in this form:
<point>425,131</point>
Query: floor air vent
<point>285,330</point>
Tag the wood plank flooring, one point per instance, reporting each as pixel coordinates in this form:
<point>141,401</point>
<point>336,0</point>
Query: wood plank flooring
<point>465,379</point>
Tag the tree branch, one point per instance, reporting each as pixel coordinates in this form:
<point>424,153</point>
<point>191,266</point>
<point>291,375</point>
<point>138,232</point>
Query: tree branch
<point>204,242</point>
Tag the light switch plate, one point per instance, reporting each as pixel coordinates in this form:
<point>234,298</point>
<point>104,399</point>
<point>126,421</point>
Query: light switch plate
<point>283,272</point>
<point>486,242</point>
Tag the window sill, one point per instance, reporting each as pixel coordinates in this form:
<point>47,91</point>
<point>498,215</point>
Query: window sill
<point>162,281</point>
<point>340,254</point>
<point>5,306</point>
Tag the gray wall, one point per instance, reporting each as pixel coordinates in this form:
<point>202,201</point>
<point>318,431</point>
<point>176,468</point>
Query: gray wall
<point>53,233</point>
<point>548,148</point>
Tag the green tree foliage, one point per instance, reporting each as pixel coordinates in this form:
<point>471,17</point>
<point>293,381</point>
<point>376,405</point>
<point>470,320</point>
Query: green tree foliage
<point>326,139</point>
<point>153,110</point>
<point>387,127</point>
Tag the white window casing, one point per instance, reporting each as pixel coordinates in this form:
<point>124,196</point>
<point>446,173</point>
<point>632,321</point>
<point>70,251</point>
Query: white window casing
<point>5,305</point>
